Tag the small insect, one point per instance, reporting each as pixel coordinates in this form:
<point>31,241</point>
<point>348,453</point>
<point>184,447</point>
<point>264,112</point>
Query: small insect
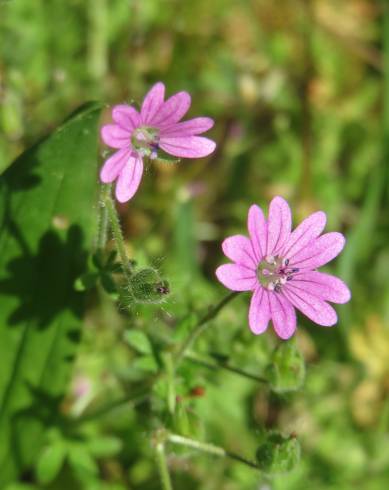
<point>163,289</point>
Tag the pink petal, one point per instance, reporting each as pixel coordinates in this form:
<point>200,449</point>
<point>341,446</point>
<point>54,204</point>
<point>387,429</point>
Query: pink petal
<point>115,136</point>
<point>236,277</point>
<point>306,231</point>
<point>188,147</point>
<point>257,227</point>
<point>238,248</point>
<point>171,111</point>
<point>319,251</point>
<point>283,315</point>
<point>129,179</point>
<point>322,285</point>
<point>259,312</point>
<point>313,307</point>
<point>114,165</point>
<point>192,127</point>
<point>278,224</point>
<point>152,102</point>
<point>126,116</point>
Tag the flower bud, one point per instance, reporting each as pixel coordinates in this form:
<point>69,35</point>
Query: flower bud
<point>287,369</point>
<point>278,454</point>
<point>147,286</point>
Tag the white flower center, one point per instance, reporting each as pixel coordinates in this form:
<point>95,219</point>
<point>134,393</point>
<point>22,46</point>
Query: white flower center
<point>273,272</point>
<point>145,141</point>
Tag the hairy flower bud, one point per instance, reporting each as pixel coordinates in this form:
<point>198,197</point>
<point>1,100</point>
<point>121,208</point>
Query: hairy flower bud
<point>278,454</point>
<point>147,286</point>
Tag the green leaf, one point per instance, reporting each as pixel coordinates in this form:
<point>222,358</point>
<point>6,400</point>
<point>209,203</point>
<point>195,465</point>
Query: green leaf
<point>47,224</point>
<point>82,462</point>
<point>139,341</point>
<point>50,463</point>
<point>86,281</point>
<point>278,454</point>
<point>146,363</point>
<point>104,446</point>
<point>287,369</point>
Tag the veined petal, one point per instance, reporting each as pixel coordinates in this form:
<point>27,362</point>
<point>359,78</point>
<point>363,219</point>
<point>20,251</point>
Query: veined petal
<point>313,307</point>
<point>129,179</point>
<point>152,102</point>
<point>191,127</point>
<point>319,251</point>
<point>188,147</point>
<point>238,248</point>
<point>322,285</point>
<point>171,111</point>
<point>236,277</point>
<point>257,226</point>
<point>114,165</point>
<point>126,116</point>
<point>259,312</point>
<point>283,315</point>
<point>115,136</point>
<point>305,232</point>
<point>278,225</point>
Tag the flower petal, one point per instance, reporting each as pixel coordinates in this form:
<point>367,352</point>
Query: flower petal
<point>283,315</point>
<point>239,249</point>
<point>126,116</point>
<point>114,165</point>
<point>171,111</point>
<point>129,179</point>
<point>152,102</point>
<point>306,231</point>
<point>313,307</point>
<point>188,147</point>
<point>236,277</point>
<point>191,127</point>
<point>278,225</point>
<point>115,136</point>
<point>259,312</point>
<point>319,251</point>
<point>322,285</point>
<point>256,224</point>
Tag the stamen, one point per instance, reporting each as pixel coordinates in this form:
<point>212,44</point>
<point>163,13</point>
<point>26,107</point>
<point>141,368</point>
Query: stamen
<point>273,272</point>
<point>145,141</point>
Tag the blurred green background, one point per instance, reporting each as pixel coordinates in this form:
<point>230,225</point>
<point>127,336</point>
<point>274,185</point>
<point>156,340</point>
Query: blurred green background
<point>300,95</point>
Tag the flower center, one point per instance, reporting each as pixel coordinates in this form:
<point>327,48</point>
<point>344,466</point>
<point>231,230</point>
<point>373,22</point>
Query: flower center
<point>273,272</point>
<point>145,141</point>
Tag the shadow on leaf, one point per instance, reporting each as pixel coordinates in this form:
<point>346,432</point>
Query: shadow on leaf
<point>44,282</point>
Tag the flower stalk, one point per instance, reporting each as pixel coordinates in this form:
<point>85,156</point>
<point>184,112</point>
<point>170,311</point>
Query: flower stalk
<point>163,467</point>
<point>117,233</point>
<point>102,235</point>
<point>223,365</point>
<point>209,449</point>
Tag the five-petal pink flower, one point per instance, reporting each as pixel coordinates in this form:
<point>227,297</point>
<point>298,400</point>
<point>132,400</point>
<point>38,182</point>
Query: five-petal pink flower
<point>157,126</point>
<point>279,266</point>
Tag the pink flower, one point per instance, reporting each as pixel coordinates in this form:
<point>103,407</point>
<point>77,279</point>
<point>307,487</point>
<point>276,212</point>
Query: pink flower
<point>141,134</point>
<point>279,266</point>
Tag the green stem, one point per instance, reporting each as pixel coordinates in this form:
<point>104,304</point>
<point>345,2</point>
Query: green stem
<point>163,467</point>
<point>202,325</point>
<point>105,190</point>
<point>117,234</point>
<point>209,448</point>
<point>223,365</point>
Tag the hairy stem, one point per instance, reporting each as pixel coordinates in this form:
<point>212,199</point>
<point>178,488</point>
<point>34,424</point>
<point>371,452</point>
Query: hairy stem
<point>209,448</point>
<point>117,234</point>
<point>163,467</point>
<point>223,365</point>
<point>102,235</point>
<point>202,325</point>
